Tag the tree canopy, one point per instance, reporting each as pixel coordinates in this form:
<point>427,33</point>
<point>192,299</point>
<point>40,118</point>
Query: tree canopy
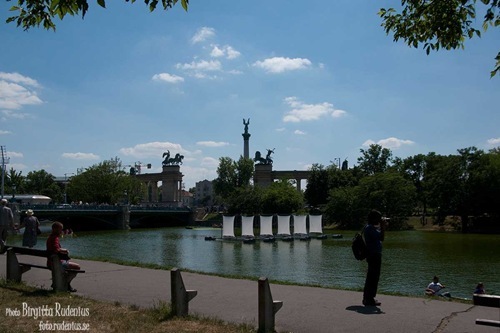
<point>31,13</point>
<point>440,24</point>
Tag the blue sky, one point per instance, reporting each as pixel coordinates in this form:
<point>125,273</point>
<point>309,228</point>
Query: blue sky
<point>319,80</point>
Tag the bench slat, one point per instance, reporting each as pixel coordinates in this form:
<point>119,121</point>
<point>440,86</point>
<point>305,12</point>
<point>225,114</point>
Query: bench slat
<point>45,267</point>
<point>486,300</point>
<point>487,322</point>
<point>32,265</point>
<point>28,251</point>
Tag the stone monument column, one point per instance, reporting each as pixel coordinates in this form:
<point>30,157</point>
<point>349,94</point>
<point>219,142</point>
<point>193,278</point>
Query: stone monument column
<point>246,137</point>
<point>263,175</point>
<point>154,191</point>
<point>171,183</point>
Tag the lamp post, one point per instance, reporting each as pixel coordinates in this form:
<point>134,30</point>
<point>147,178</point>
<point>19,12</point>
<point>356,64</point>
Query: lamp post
<point>14,188</point>
<point>336,161</point>
<point>125,195</point>
<point>66,186</point>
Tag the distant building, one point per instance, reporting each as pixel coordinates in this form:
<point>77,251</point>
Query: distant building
<point>187,198</point>
<point>204,193</point>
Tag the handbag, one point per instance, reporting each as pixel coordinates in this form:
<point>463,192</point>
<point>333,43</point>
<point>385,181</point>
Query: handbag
<point>63,256</point>
<point>359,247</point>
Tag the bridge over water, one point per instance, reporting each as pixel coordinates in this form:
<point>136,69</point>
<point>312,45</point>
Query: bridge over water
<point>102,217</point>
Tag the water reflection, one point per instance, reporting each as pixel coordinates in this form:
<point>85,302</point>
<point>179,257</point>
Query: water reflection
<point>410,259</point>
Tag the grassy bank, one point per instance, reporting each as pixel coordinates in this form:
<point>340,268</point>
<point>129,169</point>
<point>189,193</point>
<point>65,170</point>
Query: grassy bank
<point>29,309</point>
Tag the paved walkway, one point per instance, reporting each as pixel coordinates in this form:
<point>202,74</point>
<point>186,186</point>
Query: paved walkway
<point>305,309</point>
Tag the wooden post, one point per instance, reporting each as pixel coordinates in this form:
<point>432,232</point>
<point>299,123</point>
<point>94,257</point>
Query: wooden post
<point>267,307</point>
<point>180,297</point>
<point>59,282</point>
<point>13,269</point>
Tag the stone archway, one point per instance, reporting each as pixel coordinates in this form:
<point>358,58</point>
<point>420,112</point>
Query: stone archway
<point>264,175</point>
<point>171,185</point>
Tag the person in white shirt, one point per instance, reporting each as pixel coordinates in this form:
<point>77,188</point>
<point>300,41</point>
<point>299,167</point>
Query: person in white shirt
<point>434,288</point>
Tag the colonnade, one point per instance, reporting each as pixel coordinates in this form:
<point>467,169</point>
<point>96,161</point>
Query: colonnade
<point>171,185</point>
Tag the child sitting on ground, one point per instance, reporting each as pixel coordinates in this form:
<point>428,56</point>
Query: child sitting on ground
<point>479,289</point>
<point>434,288</point>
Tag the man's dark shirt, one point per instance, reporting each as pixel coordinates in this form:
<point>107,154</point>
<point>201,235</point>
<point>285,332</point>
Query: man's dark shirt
<point>373,239</point>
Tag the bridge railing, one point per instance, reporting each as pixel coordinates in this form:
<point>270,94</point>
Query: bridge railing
<point>23,207</point>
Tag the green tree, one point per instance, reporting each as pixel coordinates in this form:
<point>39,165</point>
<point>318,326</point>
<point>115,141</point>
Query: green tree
<point>391,194</point>
<point>246,200</point>
<point>232,175</point>
<point>442,182</point>
<point>15,179</point>
<point>42,182</point>
<point>338,178</point>
<point>282,197</point>
<point>413,168</point>
<point>343,208</point>
<point>33,13</point>
<point>316,192</point>
<point>375,159</point>
<point>105,182</point>
<point>440,24</point>
<point>486,189</point>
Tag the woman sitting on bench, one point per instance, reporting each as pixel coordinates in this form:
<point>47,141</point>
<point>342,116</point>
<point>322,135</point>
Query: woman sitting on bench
<point>54,247</point>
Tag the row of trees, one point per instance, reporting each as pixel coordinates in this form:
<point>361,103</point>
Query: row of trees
<point>105,182</point>
<point>39,182</point>
<point>466,185</point>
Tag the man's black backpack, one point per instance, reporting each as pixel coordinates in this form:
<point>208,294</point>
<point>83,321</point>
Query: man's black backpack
<point>359,247</point>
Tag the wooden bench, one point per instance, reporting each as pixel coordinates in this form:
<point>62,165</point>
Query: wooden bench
<point>487,300</point>
<point>60,275</point>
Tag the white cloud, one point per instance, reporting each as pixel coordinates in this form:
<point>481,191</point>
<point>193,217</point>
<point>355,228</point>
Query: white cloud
<point>14,154</point>
<point>18,166</point>
<point>212,144</point>
<point>80,156</point>
<point>210,162</point>
<point>368,143</point>
<point>234,72</point>
<point>203,34</point>
<point>2,132</point>
<point>18,78</point>
<point>390,143</point>
<point>494,141</point>
<point>281,129</point>
<point>216,52</point>
<point>226,51</point>
<point>152,149</point>
<point>299,132</point>
<point>231,53</point>
<point>16,91</point>
<point>203,65</point>
<point>11,114</point>
<point>307,112</point>
<point>170,78</point>
<point>199,69</point>
<point>281,64</point>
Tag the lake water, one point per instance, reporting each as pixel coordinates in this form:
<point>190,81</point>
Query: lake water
<point>410,258</point>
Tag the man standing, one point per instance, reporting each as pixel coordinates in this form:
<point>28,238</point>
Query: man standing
<point>373,235</point>
<point>6,222</point>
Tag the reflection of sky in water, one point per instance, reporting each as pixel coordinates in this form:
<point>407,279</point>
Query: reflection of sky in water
<point>410,259</point>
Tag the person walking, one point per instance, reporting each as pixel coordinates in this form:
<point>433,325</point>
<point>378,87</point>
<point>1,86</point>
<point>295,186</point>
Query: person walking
<point>31,226</point>
<point>6,223</point>
<point>373,234</point>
